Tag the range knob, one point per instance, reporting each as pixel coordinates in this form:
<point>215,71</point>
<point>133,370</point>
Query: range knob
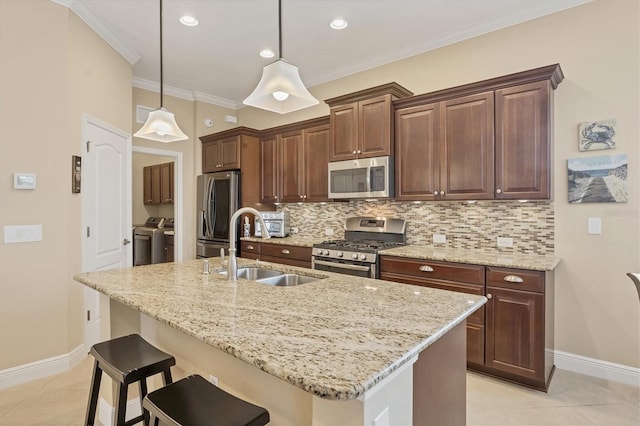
<point>339,254</point>
<point>354,256</point>
<point>363,256</point>
<point>319,252</point>
<point>326,252</point>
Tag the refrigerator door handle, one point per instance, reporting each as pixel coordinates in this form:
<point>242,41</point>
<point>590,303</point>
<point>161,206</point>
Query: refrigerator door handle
<point>209,197</point>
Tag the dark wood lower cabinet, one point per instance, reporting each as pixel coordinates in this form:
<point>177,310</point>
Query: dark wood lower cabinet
<point>511,337</point>
<point>277,253</point>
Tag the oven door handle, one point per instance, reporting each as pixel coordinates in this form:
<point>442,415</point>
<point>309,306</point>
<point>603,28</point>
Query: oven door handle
<point>342,265</point>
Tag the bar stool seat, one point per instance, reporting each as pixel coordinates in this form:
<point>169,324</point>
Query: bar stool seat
<point>194,401</point>
<point>126,360</point>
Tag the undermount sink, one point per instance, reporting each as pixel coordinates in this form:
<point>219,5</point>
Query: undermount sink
<point>274,278</point>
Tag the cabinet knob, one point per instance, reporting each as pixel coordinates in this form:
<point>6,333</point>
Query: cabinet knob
<point>513,279</point>
<point>435,192</point>
<point>354,152</point>
<point>250,247</point>
<point>489,296</point>
<point>359,151</point>
<point>302,196</point>
<point>285,251</point>
<point>441,192</point>
<point>498,191</point>
<point>426,268</point>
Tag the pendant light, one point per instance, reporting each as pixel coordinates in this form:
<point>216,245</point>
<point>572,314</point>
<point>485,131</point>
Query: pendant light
<point>161,124</point>
<point>280,89</point>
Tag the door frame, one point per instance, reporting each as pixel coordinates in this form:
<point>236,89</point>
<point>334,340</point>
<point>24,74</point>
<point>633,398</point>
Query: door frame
<point>178,192</point>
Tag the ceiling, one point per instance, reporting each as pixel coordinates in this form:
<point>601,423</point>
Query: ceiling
<point>218,61</point>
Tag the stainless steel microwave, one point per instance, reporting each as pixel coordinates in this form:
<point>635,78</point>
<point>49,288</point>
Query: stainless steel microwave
<point>362,178</point>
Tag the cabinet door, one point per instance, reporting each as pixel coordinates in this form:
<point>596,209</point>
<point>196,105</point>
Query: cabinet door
<point>146,180</point>
<point>156,195</point>
<point>515,332</point>
<point>374,127</point>
<point>166,183</point>
<point>316,154</point>
<point>230,153</point>
<point>344,132</point>
<point>523,126</point>
<point>291,167</point>
<point>210,156</point>
<point>416,152</point>
<point>269,170</point>
<point>466,148</point>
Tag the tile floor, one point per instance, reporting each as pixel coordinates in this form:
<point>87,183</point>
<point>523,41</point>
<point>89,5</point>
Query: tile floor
<point>573,399</point>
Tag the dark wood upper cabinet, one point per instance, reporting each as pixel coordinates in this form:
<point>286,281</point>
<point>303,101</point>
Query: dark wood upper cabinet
<point>493,141</point>
<point>361,123</point>
<point>166,183</point>
<point>147,184</point>
<point>466,148</point>
<point>158,183</point>
<point>316,155</point>
<point>523,135</point>
<point>291,167</point>
<point>222,154</point>
<point>269,178</point>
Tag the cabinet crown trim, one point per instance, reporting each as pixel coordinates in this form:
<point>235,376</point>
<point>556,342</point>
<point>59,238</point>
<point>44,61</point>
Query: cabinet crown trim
<point>236,131</point>
<point>552,73</point>
<point>393,89</point>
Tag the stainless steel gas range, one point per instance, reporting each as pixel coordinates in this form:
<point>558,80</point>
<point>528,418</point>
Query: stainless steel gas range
<point>357,254</point>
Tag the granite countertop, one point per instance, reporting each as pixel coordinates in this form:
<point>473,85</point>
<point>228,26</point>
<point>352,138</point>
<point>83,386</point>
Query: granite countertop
<point>477,257</point>
<point>293,240</point>
<point>335,338</point>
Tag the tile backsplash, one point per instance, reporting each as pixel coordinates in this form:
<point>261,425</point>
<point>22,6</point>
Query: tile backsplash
<point>465,225</point>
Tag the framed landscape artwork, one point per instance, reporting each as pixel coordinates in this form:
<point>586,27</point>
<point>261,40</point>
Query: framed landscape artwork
<point>595,135</point>
<point>598,179</point>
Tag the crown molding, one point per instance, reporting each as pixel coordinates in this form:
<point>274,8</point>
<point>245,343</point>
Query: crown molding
<point>188,95</point>
<point>89,17</point>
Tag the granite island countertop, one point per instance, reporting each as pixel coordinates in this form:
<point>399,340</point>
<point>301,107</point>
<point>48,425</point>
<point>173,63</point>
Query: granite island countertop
<point>335,338</point>
<point>476,257</point>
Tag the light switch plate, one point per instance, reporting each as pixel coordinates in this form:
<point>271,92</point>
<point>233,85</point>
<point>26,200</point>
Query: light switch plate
<point>22,233</point>
<point>594,225</point>
<point>24,181</point>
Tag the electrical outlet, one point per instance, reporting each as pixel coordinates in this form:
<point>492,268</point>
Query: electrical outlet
<point>505,242</point>
<point>294,230</point>
<point>594,225</point>
<point>213,379</point>
<point>439,238</point>
<point>328,231</point>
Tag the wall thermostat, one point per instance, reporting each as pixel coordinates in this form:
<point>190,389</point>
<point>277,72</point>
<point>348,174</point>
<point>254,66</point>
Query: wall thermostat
<point>24,181</point>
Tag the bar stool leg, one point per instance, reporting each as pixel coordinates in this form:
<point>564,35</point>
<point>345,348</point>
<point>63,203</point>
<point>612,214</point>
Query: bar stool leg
<point>166,377</point>
<point>121,404</point>
<point>142,384</point>
<point>90,417</point>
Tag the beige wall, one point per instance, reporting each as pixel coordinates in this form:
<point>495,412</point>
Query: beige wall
<point>597,309</point>
<point>53,68</point>
<point>141,211</point>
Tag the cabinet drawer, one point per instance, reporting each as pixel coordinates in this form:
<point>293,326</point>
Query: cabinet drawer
<point>473,274</point>
<point>287,252</point>
<point>250,249</point>
<point>286,261</point>
<point>516,279</point>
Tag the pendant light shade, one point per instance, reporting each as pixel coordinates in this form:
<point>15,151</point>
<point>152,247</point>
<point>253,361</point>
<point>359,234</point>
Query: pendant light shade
<point>161,124</point>
<point>280,89</point>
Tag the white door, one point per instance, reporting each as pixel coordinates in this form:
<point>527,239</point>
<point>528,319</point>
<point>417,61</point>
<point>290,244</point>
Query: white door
<point>106,209</point>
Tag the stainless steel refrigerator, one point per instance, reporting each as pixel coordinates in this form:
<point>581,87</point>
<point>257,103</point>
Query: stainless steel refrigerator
<point>218,199</point>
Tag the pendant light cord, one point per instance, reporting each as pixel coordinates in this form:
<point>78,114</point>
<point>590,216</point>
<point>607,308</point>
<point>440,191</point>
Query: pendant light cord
<point>279,29</point>
<point>161,91</point>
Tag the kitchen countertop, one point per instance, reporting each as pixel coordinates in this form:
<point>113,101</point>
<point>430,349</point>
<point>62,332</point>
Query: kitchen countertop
<point>476,257</point>
<point>293,240</point>
<point>335,338</point>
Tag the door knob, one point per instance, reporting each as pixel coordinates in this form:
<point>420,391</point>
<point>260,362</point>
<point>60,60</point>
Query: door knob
<point>499,191</point>
<point>125,242</point>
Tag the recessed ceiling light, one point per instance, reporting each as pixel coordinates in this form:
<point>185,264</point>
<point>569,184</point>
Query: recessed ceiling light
<point>189,21</point>
<point>338,24</point>
<point>266,53</point>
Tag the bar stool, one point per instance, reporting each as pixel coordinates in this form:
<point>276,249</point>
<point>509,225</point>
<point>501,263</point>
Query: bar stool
<point>126,360</point>
<point>194,401</point>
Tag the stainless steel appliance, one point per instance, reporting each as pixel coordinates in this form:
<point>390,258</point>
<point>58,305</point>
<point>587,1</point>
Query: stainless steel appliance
<point>362,178</point>
<point>149,245</point>
<point>218,198</point>
<point>357,253</point>
<point>277,223</point>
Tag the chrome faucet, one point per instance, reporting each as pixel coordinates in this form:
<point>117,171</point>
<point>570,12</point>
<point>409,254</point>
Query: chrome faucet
<point>232,268</point>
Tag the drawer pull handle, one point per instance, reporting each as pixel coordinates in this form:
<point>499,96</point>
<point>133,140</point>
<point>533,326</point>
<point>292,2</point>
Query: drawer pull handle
<point>285,251</point>
<point>513,279</point>
<point>426,268</point>
<point>489,296</point>
<point>250,247</point>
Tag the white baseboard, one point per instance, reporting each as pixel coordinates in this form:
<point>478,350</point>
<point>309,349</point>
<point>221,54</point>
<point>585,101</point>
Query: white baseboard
<point>40,369</point>
<point>106,411</point>
<point>597,368</point>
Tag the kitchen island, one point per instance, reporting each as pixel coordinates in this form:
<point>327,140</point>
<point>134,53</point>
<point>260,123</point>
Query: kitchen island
<point>339,350</point>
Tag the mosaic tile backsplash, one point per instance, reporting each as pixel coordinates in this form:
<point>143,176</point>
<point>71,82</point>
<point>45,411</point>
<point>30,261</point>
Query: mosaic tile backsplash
<point>465,225</point>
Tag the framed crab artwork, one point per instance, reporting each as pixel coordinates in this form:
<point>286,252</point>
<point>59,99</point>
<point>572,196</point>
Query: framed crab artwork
<point>594,135</point>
